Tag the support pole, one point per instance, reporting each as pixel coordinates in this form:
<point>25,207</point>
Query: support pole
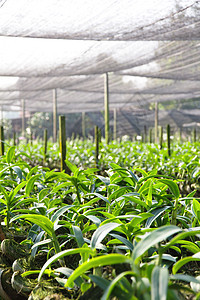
<point>96,135</point>
<point>156,122</point>
<point>168,140</point>
<point>161,137</point>
<point>14,138</point>
<point>54,115</point>
<point>45,145</point>
<point>115,124</point>
<point>150,135</point>
<point>1,141</point>
<point>145,133</point>
<point>106,107</point>
<point>62,142</point>
<point>1,115</point>
<point>83,124</point>
<point>194,135</point>
<point>23,117</point>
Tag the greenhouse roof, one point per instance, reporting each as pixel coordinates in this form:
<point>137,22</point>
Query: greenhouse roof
<point>150,48</point>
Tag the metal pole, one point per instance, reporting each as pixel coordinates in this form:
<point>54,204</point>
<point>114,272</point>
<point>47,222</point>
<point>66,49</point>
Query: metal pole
<point>106,106</point>
<point>54,115</point>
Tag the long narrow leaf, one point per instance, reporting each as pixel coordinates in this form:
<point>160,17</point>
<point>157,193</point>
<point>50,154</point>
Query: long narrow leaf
<point>40,220</point>
<point>185,260</point>
<point>78,235</point>
<point>159,283</point>
<point>100,261</point>
<point>61,255</point>
<point>153,238</point>
<point>101,232</point>
<point>10,154</point>
<point>30,183</point>
<point>111,286</point>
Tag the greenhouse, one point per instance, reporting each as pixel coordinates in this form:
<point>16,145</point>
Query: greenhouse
<point>99,149</point>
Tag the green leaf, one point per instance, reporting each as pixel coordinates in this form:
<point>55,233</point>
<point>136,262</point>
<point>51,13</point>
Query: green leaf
<point>133,198</point>
<point>100,196</point>
<point>156,213</point>
<point>10,154</point>
<point>72,167</point>
<point>18,171</point>
<point>60,186</point>
<point>42,194</point>
<point>40,220</point>
<point>185,260</point>
<point>99,261</point>
<point>78,235</point>
<point>60,212</point>
<point>186,278</point>
<point>192,247</point>
<point>101,232</point>
<point>62,254</point>
<point>196,208</point>
<point>16,190</point>
<point>108,291</point>
<point>3,191</point>
<point>159,283</point>
<point>149,196</point>
<point>123,240</point>
<point>126,217</point>
<point>172,186</point>
<point>47,241</point>
<point>94,219</point>
<point>153,238</point>
<point>141,217</point>
<point>181,236</point>
<point>105,180</point>
<point>100,281</point>
<point>30,183</point>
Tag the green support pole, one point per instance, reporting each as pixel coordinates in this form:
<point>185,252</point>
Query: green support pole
<point>54,115</point>
<point>62,142</point>
<point>83,125</point>
<point>1,141</point>
<point>156,122</point>
<point>45,145</point>
<point>168,140</point>
<point>106,107</point>
<point>161,137</point>
<point>96,135</point>
<point>115,124</point>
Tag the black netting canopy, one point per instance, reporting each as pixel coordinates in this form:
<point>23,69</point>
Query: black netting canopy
<point>149,48</point>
